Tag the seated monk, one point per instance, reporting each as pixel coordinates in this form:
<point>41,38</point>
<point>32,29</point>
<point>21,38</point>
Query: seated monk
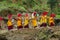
<point>26,21</point>
<point>9,22</point>
<point>19,21</point>
<point>51,20</point>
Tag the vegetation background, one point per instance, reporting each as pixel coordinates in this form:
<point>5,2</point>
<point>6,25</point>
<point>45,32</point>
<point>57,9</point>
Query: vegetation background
<point>14,6</point>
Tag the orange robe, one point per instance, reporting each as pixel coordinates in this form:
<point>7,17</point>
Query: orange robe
<point>19,23</point>
<point>51,21</point>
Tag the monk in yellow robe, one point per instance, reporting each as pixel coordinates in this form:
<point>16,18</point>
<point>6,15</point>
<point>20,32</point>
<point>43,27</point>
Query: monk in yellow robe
<point>43,20</point>
<point>34,20</point>
<point>9,22</point>
<point>19,21</point>
<point>26,21</point>
<point>51,20</point>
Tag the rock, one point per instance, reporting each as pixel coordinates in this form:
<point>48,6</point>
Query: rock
<point>23,34</point>
<point>29,38</point>
<point>2,37</point>
<point>29,34</point>
<point>54,39</point>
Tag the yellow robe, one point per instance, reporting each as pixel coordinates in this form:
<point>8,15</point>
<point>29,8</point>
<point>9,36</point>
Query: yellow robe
<point>51,20</point>
<point>26,22</point>
<point>34,22</point>
<point>43,19</point>
<point>9,23</point>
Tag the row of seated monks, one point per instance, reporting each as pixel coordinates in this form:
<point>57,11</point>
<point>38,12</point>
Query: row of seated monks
<point>43,20</point>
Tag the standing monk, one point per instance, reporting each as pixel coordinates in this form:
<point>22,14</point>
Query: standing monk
<point>9,23</point>
<point>34,20</point>
<point>43,20</point>
<point>26,21</point>
<point>19,21</point>
<point>51,20</point>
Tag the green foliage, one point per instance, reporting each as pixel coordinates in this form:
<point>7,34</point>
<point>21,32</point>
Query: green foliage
<point>52,4</point>
<point>15,6</point>
<point>57,16</point>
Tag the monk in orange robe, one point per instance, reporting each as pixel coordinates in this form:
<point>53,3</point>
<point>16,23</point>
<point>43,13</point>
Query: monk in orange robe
<point>9,23</point>
<point>26,21</point>
<point>51,20</point>
<point>19,21</point>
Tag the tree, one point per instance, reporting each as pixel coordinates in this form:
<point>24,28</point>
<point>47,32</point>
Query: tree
<point>52,4</point>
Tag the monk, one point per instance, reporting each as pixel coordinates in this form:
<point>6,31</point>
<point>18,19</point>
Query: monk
<point>19,21</point>
<point>51,20</point>
<point>43,20</point>
<point>34,20</point>
<point>9,22</point>
<point>26,21</point>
